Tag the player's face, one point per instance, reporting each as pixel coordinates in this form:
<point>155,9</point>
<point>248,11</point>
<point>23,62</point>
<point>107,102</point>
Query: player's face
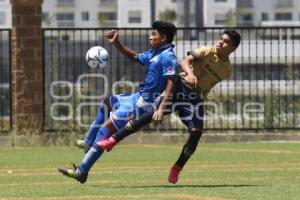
<point>225,45</point>
<point>156,40</point>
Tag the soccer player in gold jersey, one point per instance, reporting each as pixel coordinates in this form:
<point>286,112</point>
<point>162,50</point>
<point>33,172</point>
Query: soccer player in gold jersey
<point>202,69</point>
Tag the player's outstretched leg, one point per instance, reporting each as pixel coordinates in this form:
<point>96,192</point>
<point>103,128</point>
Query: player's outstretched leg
<point>102,115</point>
<point>107,144</point>
<point>80,173</point>
<point>131,127</point>
<point>94,153</point>
<point>74,173</point>
<point>188,149</point>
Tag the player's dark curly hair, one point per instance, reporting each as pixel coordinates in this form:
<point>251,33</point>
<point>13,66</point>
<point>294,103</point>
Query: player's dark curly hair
<point>166,28</point>
<point>234,36</point>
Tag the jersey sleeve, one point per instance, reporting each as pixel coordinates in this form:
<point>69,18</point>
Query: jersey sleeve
<point>144,57</point>
<point>198,54</point>
<point>169,64</point>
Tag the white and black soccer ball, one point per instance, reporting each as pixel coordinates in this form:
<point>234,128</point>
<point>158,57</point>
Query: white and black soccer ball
<point>96,57</point>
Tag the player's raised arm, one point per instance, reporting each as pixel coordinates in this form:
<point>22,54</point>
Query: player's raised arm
<point>166,101</point>
<point>113,37</point>
<point>186,67</point>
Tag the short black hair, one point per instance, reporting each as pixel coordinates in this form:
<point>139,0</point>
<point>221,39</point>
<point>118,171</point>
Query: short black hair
<point>166,28</point>
<point>234,36</point>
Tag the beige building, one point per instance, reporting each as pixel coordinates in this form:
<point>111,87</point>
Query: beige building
<point>104,13</point>
<point>218,13</point>
<point>184,13</point>
<point>5,14</point>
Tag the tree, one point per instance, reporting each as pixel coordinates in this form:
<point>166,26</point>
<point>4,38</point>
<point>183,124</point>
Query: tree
<point>231,17</point>
<point>167,15</point>
<point>48,20</point>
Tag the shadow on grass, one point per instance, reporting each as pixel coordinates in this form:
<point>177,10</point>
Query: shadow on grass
<point>188,186</point>
<point>196,186</point>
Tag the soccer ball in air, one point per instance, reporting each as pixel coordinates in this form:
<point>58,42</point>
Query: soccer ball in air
<point>96,57</point>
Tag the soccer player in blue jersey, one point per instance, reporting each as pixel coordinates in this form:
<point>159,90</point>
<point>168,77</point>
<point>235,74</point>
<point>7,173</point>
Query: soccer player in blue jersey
<point>202,69</point>
<point>161,64</point>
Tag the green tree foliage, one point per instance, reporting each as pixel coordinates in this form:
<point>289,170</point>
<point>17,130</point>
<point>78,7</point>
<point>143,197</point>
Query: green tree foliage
<point>168,15</point>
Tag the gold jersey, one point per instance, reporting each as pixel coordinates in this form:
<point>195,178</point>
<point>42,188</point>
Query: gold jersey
<point>208,68</point>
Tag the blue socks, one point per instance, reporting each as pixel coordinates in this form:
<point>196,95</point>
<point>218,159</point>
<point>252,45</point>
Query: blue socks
<point>90,158</point>
<point>95,151</point>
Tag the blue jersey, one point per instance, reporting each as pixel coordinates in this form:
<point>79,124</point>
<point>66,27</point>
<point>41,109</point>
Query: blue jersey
<point>161,64</point>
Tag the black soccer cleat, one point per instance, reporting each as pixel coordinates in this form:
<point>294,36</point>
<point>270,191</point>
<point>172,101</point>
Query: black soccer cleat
<point>81,144</point>
<point>74,173</point>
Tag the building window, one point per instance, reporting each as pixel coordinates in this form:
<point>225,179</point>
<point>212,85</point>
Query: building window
<point>2,18</point>
<point>45,16</point>
<point>134,16</point>
<point>107,18</point>
<point>264,17</point>
<point>85,16</point>
<point>107,1</point>
<point>247,17</point>
<point>284,3</point>
<point>65,2</point>
<point>283,16</point>
<point>244,3</point>
<point>220,18</point>
<point>192,18</point>
<point>181,19</point>
<point>65,19</point>
<point>64,16</point>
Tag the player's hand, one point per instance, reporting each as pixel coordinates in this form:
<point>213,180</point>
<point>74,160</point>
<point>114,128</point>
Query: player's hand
<point>192,80</point>
<point>157,117</point>
<point>112,36</point>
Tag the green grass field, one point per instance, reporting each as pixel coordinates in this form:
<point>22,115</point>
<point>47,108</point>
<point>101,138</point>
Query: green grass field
<point>219,171</point>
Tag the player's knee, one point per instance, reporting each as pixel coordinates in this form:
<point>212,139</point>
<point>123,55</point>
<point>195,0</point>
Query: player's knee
<point>130,126</point>
<point>96,147</point>
<point>196,131</point>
